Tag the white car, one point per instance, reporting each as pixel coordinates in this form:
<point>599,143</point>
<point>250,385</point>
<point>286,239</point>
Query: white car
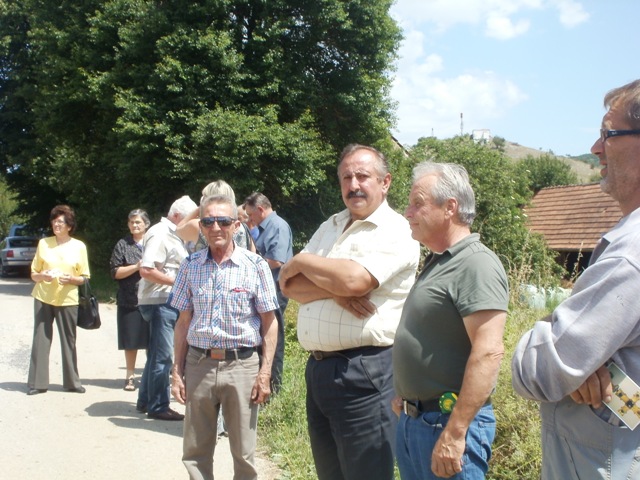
<point>16,254</point>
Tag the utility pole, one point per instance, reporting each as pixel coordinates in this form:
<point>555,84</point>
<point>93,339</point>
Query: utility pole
<point>461,124</point>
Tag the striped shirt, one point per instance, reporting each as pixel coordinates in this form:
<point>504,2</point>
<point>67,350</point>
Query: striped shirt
<point>226,299</point>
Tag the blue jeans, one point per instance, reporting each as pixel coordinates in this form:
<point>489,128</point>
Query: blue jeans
<point>416,438</point>
<point>351,424</point>
<point>154,384</point>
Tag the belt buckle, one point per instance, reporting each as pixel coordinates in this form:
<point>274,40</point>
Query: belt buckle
<point>410,409</point>
<point>317,354</point>
<point>218,353</point>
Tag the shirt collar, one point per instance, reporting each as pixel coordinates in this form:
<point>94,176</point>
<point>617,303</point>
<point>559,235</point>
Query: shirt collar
<point>376,218</point>
<point>172,226</point>
<point>631,221</point>
<point>235,256</point>
<point>267,220</point>
<point>462,244</point>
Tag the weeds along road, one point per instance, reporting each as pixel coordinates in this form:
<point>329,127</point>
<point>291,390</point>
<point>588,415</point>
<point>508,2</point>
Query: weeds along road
<point>97,435</point>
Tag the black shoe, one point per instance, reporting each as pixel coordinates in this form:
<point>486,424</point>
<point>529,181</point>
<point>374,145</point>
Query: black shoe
<point>166,415</point>
<point>36,391</point>
<point>76,390</point>
<point>141,408</point>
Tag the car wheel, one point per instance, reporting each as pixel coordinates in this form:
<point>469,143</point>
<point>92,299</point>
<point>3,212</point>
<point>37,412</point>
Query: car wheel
<point>4,271</point>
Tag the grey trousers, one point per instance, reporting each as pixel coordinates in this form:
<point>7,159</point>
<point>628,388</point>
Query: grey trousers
<point>212,384</point>
<point>65,318</point>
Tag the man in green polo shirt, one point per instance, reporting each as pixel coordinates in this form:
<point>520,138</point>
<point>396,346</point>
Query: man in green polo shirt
<point>448,346</point>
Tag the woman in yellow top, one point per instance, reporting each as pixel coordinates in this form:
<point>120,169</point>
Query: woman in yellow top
<point>59,266</point>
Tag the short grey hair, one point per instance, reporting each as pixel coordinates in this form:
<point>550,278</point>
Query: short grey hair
<point>138,212</point>
<point>219,200</point>
<point>183,206</point>
<point>382,166</point>
<point>629,96</point>
<point>452,182</point>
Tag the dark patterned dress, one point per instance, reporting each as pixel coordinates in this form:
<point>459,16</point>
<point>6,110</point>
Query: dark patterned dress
<point>133,331</point>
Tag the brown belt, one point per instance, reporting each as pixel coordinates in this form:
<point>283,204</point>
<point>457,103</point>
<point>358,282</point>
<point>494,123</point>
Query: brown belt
<point>222,354</point>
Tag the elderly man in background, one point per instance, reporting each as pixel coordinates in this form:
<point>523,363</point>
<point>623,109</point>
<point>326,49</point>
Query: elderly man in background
<point>448,345</point>
<point>161,258</point>
<point>563,362</point>
<point>275,244</point>
<point>227,299</point>
<point>352,279</point>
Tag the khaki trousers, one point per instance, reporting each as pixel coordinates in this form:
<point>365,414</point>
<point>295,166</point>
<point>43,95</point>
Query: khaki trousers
<point>209,385</point>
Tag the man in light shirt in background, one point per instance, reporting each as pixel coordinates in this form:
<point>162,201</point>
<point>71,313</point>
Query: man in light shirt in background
<point>161,258</point>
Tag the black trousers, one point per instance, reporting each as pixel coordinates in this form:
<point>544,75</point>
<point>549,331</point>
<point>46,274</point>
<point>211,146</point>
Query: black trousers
<point>351,424</point>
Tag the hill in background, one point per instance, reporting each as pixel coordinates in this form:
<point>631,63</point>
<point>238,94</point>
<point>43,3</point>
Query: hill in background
<point>585,166</point>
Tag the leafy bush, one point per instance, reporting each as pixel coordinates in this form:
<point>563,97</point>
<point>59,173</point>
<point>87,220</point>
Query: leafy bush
<point>545,171</point>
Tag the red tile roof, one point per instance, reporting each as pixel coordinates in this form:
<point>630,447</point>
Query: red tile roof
<point>572,217</point>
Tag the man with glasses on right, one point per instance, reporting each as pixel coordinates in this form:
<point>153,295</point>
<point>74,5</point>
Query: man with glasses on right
<point>565,360</point>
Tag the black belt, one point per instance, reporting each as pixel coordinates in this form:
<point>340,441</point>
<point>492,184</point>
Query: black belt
<point>222,354</point>
<point>348,353</point>
<point>414,408</point>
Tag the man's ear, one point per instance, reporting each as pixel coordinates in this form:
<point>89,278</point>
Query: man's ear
<point>386,182</point>
<point>451,208</point>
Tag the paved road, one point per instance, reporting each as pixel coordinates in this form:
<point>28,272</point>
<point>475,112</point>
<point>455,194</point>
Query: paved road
<point>97,435</point>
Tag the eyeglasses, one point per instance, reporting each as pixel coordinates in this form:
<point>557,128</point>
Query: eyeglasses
<point>58,222</point>
<point>207,222</point>
<point>604,134</point>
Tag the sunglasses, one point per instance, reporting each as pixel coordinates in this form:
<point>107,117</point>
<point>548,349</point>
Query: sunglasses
<point>207,222</point>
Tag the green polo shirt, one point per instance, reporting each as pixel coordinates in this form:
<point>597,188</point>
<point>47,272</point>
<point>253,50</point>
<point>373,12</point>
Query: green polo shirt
<point>431,346</point>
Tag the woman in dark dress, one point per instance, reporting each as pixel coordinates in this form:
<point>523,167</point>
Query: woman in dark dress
<point>133,331</point>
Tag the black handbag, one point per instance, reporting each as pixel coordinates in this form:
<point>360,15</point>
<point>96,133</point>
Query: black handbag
<point>88,313</point>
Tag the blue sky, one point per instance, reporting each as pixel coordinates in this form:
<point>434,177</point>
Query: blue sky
<point>532,71</point>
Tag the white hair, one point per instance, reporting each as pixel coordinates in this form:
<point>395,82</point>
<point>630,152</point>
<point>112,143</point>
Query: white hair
<point>183,206</point>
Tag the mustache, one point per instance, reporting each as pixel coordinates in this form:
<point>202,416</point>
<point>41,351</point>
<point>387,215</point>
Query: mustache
<point>357,194</point>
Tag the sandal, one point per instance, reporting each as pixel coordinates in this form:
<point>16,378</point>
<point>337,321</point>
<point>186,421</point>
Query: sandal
<point>130,384</point>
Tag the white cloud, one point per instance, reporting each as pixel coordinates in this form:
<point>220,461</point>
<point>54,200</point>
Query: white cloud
<point>431,103</point>
<point>430,97</point>
<point>503,28</point>
<point>499,17</point>
<point>571,13</point>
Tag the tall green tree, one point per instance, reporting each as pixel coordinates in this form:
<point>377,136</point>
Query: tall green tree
<point>111,105</point>
<point>500,195</point>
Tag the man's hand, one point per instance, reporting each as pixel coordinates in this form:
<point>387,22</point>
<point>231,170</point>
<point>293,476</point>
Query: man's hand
<point>287,271</point>
<point>261,388</point>
<point>396,405</point>
<point>446,459</point>
<point>596,389</point>
<point>178,390</point>
<point>361,307</point>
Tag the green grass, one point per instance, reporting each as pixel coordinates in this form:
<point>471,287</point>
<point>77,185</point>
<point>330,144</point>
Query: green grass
<point>282,429</point>
<point>516,450</point>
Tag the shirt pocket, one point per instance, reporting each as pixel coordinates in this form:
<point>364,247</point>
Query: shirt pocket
<point>241,303</point>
